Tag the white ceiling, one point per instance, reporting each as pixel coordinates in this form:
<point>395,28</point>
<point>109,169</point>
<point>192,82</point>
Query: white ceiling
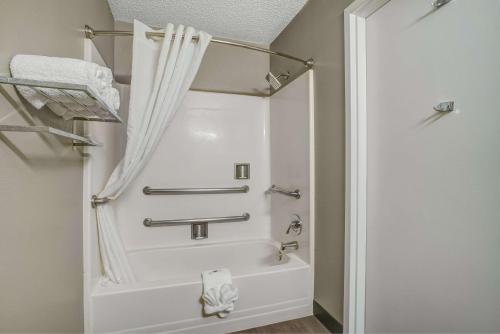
<point>256,21</point>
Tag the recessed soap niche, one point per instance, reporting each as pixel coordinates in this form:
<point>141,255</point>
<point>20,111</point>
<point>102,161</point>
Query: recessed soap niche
<point>242,171</point>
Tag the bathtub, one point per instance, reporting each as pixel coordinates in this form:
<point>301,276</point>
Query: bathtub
<point>166,296</point>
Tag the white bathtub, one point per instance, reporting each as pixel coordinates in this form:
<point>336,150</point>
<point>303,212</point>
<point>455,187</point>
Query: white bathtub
<point>166,297</point>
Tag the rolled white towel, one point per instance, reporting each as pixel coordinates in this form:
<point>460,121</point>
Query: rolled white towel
<point>58,69</point>
<point>64,70</point>
<point>219,294</point>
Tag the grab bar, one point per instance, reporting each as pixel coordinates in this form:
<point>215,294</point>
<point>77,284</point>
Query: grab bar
<point>295,193</point>
<point>153,223</point>
<point>195,191</point>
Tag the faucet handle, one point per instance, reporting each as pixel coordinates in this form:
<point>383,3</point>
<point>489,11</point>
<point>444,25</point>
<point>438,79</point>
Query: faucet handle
<point>296,225</point>
<point>291,226</point>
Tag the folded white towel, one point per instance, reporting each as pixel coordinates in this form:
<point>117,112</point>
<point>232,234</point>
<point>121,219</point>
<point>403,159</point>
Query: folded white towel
<point>64,70</point>
<point>219,294</point>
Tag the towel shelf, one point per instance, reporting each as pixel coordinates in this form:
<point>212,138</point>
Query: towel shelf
<point>194,191</point>
<point>77,140</point>
<point>103,112</point>
<point>148,222</point>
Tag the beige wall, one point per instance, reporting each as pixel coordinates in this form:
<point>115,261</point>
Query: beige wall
<point>318,32</point>
<point>223,67</point>
<point>41,177</point>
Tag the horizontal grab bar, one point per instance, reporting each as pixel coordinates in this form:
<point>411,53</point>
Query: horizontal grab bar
<point>295,193</point>
<point>195,191</point>
<point>152,223</point>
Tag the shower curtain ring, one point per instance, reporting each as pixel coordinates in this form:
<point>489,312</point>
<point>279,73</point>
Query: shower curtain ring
<point>95,201</point>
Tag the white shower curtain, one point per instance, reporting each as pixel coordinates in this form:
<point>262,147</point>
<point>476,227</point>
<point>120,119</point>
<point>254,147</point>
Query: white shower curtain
<point>162,72</point>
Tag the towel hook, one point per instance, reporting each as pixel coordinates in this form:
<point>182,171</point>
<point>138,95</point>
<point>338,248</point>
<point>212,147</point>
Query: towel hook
<point>447,106</point>
<point>440,3</point>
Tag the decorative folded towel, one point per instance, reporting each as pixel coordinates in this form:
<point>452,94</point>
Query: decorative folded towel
<point>219,294</point>
<point>64,70</point>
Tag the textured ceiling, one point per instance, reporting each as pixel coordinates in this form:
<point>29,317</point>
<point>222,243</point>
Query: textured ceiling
<point>257,21</point>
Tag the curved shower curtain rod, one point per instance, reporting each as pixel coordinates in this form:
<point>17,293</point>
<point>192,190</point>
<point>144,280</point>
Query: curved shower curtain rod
<point>91,33</point>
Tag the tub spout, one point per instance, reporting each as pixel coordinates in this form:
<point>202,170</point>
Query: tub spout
<point>287,247</point>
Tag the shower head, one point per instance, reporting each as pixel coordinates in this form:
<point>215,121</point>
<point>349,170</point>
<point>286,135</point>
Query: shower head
<point>274,81</point>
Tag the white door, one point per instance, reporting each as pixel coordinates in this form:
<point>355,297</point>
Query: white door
<point>433,179</point>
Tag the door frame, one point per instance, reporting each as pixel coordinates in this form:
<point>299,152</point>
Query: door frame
<point>355,41</point>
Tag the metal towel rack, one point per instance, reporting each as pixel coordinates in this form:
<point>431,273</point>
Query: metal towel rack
<point>77,140</point>
<point>195,191</point>
<point>99,112</point>
<point>154,223</point>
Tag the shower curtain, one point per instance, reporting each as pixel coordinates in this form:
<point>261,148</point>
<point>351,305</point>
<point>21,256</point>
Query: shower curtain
<point>162,72</point>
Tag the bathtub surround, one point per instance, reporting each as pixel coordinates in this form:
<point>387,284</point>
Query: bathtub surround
<point>41,238</point>
<point>161,77</point>
<point>211,133</point>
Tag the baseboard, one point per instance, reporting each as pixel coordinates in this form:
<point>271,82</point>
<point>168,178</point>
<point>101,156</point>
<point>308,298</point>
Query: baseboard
<point>326,319</point>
